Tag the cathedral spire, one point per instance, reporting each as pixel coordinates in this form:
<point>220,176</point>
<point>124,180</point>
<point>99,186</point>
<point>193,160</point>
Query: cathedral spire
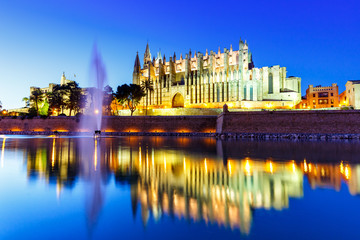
<point>241,44</point>
<point>158,55</point>
<point>137,70</point>
<point>147,55</point>
<point>137,62</point>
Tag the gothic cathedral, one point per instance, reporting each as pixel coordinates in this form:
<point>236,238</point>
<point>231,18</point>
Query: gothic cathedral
<point>213,79</point>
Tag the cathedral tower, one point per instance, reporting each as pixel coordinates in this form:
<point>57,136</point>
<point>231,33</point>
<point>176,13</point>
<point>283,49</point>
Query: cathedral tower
<point>147,56</point>
<point>137,70</point>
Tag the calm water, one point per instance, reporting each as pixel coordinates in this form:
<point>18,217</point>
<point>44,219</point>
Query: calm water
<point>177,188</point>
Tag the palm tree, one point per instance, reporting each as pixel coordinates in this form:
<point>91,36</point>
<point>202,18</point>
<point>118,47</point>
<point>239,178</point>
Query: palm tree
<point>37,97</point>
<point>75,99</point>
<point>26,100</point>
<point>148,87</point>
<point>55,101</point>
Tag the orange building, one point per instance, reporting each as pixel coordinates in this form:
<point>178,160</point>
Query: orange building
<point>320,97</point>
<point>344,101</point>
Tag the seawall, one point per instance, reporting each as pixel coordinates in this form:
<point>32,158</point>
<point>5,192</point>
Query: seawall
<point>301,122</point>
<point>258,124</point>
<point>125,124</point>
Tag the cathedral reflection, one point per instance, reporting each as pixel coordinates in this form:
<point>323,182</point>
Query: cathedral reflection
<point>183,179</point>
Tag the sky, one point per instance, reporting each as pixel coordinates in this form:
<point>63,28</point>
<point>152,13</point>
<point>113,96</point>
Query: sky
<point>318,41</point>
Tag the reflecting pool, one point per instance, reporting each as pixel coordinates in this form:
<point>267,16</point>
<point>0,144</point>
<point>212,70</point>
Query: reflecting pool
<point>177,188</point>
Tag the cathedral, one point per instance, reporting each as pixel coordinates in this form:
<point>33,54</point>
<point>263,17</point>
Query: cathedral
<point>212,79</point>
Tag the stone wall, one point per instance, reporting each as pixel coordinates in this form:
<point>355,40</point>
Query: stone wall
<point>179,124</point>
<point>162,124</point>
<point>329,122</point>
<point>61,124</point>
<point>280,122</point>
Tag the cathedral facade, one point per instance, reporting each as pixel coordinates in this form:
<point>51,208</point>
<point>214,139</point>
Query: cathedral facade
<point>212,79</point>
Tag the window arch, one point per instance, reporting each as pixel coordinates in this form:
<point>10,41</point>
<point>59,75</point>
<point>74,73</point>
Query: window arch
<point>251,93</point>
<point>271,83</point>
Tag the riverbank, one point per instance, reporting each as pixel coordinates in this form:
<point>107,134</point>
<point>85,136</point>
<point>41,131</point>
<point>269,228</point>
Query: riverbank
<point>223,136</point>
<point>304,125</point>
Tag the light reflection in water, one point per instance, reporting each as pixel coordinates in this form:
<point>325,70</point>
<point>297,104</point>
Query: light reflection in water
<point>184,184</point>
<point>3,152</point>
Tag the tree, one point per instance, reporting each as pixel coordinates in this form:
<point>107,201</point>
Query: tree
<point>56,100</point>
<point>129,94</point>
<point>26,100</point>
<point>148,87</point>
<point>108,97</point>
<point>0,105</point>
<point>37,97</point>
<point>74,97</point>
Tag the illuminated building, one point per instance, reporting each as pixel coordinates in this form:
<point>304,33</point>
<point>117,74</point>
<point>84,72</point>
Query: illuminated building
<point>50,88</point>
<point>320,97</point>
<point>212,79</point>
<point>181,183</point>
<point>352,93</point>
<point>205,189</point>
<point>344,101</point>
<point>63,81</point>
<point>324,176</point>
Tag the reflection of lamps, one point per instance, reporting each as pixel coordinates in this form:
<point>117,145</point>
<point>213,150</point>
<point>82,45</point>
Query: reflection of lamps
<point>347,173</point>
<point>95,155</point>
<point>305,166</point>
<point>247,167</point>
<point>2,153</point>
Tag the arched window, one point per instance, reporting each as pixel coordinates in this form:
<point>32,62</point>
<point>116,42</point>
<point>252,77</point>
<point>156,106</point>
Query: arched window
<point>271,83</point>
<point>251,93</point>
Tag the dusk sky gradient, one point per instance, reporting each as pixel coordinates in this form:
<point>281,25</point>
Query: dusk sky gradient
<point>318,41</point>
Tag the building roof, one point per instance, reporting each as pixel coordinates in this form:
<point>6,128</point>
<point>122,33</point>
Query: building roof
<point>355,81</point>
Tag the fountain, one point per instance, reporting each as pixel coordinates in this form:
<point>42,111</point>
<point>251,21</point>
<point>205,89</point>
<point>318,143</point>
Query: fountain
<point>93,113</point>
<point>90,148</point>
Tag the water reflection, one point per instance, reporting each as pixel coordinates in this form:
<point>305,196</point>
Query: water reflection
<point>197,180</point>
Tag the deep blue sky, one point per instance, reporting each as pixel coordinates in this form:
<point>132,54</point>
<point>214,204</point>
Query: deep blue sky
<point>316,40</point>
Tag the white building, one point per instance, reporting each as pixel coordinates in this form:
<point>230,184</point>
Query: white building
<point>352,93</point>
